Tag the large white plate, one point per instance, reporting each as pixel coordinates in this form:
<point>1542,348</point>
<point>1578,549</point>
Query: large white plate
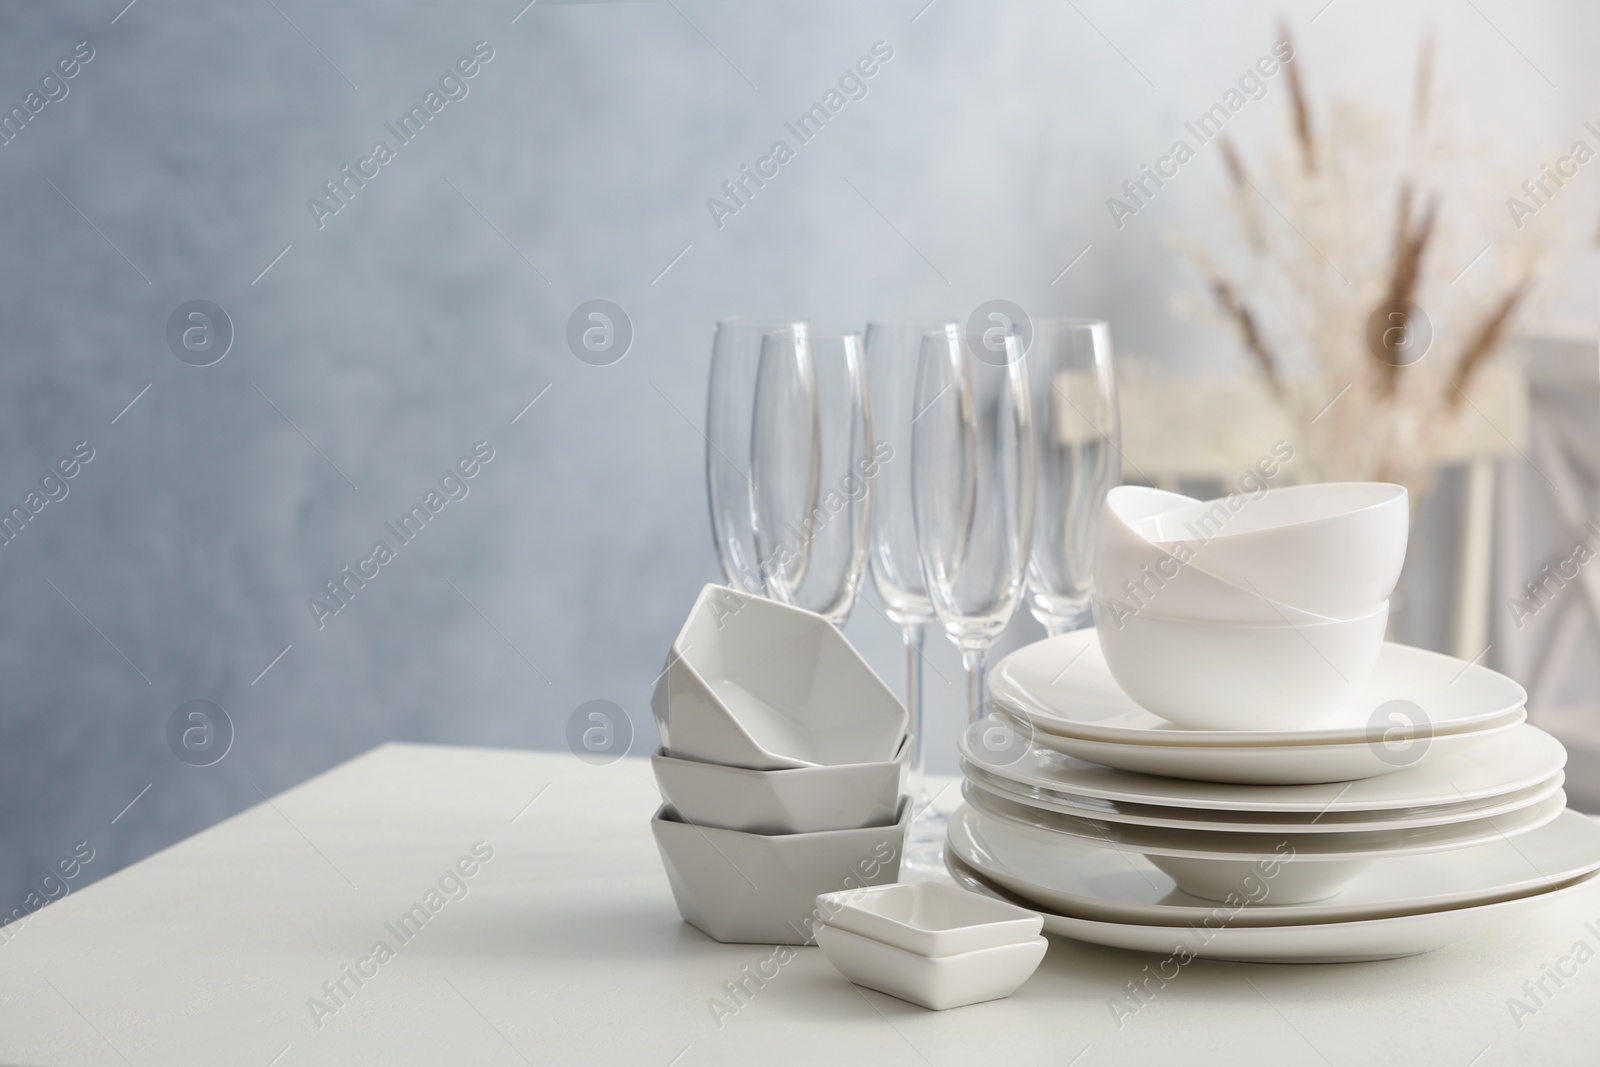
<point>1107,885</point>
<point>1064,687</point>
<point>1047,826</point>
<point>1517,758</point>
<point>1264,765</point>
<point>1277,822</point>
<point>1334,942</point>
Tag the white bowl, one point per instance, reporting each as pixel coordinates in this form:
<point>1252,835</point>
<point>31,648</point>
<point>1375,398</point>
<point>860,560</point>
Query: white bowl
<point>939,983</point>
<point>797,800</point>
<point>1234,676</point>
<point>1161,579</point>
<point>754,683</point>
<point>1333,549</point>
<point>762,889</point>
<point>928,918</point>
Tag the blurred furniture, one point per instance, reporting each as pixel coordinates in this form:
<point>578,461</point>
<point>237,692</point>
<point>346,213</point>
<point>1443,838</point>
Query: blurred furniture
<point>565,947</point>
<point>1216,430</point>
<point>1550,506</point>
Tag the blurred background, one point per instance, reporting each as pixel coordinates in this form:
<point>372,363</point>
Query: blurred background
<point>374,346</point>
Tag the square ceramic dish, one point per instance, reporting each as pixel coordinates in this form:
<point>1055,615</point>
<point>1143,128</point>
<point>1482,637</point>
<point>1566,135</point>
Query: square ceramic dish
<point>938,983</point>
<point>929,918</point>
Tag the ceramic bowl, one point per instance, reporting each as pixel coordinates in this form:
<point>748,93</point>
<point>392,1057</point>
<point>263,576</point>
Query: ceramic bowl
<point>753,683</point>
<point>1235,676</point>
<point>1144,577</point>
<point>938,983</point>
<point>762,889</point>
<point>796,800</point>
<point>928,918</point>
<point>1333,549</point>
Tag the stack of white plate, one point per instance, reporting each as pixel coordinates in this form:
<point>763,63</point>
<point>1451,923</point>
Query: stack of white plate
<point>1441,815</point>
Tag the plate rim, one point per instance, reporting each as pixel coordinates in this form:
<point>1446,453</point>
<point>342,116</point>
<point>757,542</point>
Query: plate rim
<point>1184,915</point>
<point>998,692</point>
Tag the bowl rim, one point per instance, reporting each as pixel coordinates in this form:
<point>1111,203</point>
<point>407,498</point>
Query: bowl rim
<point>1394,493</point>
<point>1220,624</point>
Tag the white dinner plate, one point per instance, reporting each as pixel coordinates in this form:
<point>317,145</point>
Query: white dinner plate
<point>1274,765</point>
<point>1048,826</point>
<point>1276,822</point>
<point>1333,942</point>
<point>1064,687</point>
<point>1107,885</point>
<point>1513,759</point>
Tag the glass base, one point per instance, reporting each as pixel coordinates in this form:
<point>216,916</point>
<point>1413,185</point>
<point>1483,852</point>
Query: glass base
<point>922,857</point>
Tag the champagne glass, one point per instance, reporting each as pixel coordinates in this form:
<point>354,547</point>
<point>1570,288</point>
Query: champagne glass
<point>811,470</point>
<point>893,349</point>
<point>735,353</point>
<point>973,484</point>
<point>1079,446</point>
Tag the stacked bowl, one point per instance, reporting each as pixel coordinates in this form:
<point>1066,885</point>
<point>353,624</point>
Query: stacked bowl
<point>782,769</point>
<point>1180,791</point>
<point>1222,614</point>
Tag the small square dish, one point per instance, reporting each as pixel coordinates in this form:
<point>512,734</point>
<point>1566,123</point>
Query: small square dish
<point>939,983</point>
<point>928,918</point>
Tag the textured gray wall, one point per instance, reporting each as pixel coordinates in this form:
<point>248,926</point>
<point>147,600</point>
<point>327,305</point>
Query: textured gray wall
<point>427,313</point>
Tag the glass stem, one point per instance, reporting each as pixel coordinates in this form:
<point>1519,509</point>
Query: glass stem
<point>916,635</point>
<point>975,660</point>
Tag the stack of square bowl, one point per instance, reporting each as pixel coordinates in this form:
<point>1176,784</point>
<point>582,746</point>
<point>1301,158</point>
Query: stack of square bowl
<point>1179,791</point>
<point>930,944</point>
<point>782,769</point>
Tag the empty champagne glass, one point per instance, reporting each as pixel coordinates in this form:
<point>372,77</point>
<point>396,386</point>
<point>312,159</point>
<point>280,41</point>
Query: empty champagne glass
<point>892,350</point>
<point>811,469</point>
<point>973,484</point>
<point>1079,446</point>
<point>730,398</point>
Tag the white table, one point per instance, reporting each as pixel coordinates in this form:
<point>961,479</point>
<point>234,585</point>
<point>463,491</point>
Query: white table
<point>567,949</point>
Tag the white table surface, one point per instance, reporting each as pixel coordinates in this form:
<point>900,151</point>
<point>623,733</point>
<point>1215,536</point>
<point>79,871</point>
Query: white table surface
<point>567,949</point>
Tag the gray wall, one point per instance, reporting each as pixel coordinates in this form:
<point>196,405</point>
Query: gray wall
<point>428,312</point>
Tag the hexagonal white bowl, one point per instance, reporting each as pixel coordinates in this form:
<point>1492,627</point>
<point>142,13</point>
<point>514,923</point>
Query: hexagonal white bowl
<point>762,889</point>
<point>794,800</point>
<point>758,684</point>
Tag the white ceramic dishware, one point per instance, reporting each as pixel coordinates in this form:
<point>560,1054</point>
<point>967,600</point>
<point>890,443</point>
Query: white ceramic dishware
<point>1301,867</point>
<point>1138,575</point>
<point>1243,676</point>
<point>1333,549</point>
<point>1520,757</point>
<point>1063,686</point>
<point>763,889</point>
<point>1355,941</point>
<point>753,683</point>
<point>1075,878</point>
<point>795,800</point>
<point>1249,822</point>
<point>936,983</point>
<point>1286,764</point>
<point>928,918</point>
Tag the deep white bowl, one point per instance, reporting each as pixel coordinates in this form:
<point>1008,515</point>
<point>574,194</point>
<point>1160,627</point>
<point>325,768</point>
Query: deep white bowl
<point>763,889</point>
<point>753,683</point>
<point>928,918</point>
<point>1161,579</point>
<point>1333,549</point>
<point>1234,676</point>
<point>938,983</point>
<point>795,800</point>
